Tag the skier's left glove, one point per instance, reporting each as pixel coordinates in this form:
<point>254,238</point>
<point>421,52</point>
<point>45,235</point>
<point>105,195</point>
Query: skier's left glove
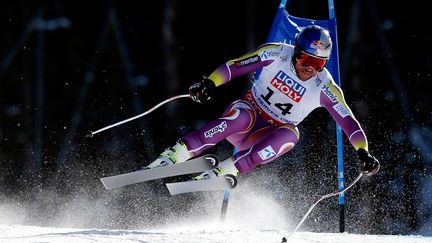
<point>202,92</point>
<point>370,164</point>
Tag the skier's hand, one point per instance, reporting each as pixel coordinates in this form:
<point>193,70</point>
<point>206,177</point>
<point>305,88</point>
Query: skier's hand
<point>370,165</point>
<point>202,92</point>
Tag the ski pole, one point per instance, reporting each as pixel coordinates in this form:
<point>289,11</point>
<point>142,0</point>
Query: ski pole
<point>319,200</point>
<point>224,205</point>
<point>138,116</point>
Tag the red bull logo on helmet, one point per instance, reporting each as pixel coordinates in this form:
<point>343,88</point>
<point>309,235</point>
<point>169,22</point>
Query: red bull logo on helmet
<point>317,44</point>
<point>288,86</point>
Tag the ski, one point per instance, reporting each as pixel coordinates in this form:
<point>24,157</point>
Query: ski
<point>199,164</point>
<point>225,182</point>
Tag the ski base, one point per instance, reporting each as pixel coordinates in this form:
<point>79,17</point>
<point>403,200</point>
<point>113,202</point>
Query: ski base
<point>225,182</point>
<point>200,164</point>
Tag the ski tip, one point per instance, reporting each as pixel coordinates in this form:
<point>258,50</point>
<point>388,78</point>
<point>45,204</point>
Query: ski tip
<point>106,184</point>
<point>103,183</point>
<point>232,180</point>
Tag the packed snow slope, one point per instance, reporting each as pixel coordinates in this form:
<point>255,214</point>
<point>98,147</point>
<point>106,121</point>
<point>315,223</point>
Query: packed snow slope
<point>191,234</point>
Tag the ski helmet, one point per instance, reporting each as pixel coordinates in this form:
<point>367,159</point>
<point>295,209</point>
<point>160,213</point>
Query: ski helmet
<point>314,41</point>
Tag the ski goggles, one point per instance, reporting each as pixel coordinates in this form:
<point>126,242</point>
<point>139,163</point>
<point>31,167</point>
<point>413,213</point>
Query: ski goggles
<point>311,61</point>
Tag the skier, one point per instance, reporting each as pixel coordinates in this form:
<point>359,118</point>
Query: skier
<point>293,81</point>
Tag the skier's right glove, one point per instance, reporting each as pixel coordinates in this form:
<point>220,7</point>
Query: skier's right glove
<point>202,92</point>
<point>370,165</point>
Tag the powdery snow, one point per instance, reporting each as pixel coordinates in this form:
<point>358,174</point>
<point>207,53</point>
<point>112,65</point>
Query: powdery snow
<point>253,216</point>
<point>19,233</point>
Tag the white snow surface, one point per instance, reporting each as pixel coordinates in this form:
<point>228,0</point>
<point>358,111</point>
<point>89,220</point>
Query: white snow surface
<point>191,234</point>
<point>253,216</point>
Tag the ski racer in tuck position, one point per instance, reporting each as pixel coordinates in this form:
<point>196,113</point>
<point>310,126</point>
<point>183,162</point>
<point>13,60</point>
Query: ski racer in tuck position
<point>293,81</point>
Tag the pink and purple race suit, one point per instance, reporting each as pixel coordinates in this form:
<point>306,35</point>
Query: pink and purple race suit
<point>263,125</point>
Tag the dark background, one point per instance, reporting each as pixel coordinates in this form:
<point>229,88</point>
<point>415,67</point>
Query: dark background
<point>70,67</point>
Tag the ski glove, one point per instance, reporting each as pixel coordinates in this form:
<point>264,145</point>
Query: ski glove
<point>202,92</point>
<point>370,165</point>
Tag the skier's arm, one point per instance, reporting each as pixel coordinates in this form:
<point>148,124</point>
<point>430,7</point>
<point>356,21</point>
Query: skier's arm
<point>245,64</point>
<point>332,99</point>
<point>202,91</point>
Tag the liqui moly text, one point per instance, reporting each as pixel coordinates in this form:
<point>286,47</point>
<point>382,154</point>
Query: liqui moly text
<point>287,86</point>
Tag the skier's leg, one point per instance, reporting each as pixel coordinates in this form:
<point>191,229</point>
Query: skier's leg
<point>241,142</point>
<point>267,144</point>
<point>239,117</point>
<point>275,144</point>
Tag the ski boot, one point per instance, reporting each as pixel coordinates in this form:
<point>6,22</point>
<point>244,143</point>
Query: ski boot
<point>175,154</point>
<point>225,167</point>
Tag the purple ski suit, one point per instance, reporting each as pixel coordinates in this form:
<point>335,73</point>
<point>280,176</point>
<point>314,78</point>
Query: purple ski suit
<point>263,125</point>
